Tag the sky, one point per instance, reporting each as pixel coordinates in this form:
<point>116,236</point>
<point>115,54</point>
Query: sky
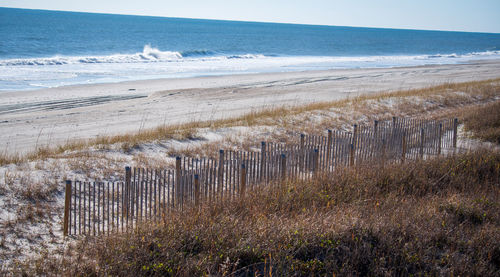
<point>450,15</point>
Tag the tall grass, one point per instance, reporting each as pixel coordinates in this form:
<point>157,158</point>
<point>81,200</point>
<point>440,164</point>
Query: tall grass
<point>434,217</point>
<point>484,122</point>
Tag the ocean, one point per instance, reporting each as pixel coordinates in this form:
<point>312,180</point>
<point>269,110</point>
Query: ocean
<point>42,49</point>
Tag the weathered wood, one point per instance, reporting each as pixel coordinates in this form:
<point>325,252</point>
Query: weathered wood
<point>232,173</point>
<point>243,186</point>
<point>98,208</point>
<point>455,132</point>
<point>113,205</point>
<point>251,167</point>
<point>351,154</point>
<point>74,192</point>
<point>178,177</point>
<point>239,160</point>
<point>220,174</point>
<point>67,206</point>
<point>170,190</point>
<point>141,192</point>
<point>137,180</point>
<point>126,196</point>
<point>147,187</point>
<point>93,210</point>
<point>316,160</point>
<point>383,151</point>
<point>422,142</point>
<point>107,207</point>
<point>135,199</point>
<point>354,135</point>
<point>440,137</point>
<point>227,168</point>
<point>283,167</point>
<point>263,161</point>
<point>86,210</point>
<point>155,194</point>
<point>403,152</point>
<point>80,208</point>
<point>196,190</point>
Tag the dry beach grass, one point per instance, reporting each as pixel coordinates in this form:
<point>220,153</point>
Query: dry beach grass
<point>435,217</point>
<point>484,122</point>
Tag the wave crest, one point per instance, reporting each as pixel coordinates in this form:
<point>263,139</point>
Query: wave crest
<point>151,54</point>
<point>148,54</point>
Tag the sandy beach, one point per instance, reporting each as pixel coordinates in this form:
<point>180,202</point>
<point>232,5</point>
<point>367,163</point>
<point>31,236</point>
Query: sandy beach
<point>31,119</point>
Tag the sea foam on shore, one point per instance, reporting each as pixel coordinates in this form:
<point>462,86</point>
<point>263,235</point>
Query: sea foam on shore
<point>152,63</point>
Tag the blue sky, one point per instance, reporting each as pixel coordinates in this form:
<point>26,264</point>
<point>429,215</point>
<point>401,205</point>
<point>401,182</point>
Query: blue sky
<point>453,15</point>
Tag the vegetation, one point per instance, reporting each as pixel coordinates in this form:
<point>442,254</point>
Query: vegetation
<point>434,217</point>
<point>484,122</point>
<point>449,95</point>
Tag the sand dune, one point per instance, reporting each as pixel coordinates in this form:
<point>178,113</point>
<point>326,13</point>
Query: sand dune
<point>31,119</point>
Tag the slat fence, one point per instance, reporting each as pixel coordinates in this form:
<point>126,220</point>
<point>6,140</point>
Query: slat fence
<point>99,208</point>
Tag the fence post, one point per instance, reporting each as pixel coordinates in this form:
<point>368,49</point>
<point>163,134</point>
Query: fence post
<point>440,134</point>
<point>128,176</point>
<point>220,173</point>
<point>403,154</point>
<point>455,132</point>
<point>67,206</point>
<point>262,160</point>
<point>422,137</point>
<point>351,154</point>
<point>329,149</point>
<point>177,180</point>
<point>302,141</point>
<point>383,151</point>
<point>243,180</point>
<point>283,167</point>
<point>316,160</point>
<point>355,134</point>
<point>196,190</point>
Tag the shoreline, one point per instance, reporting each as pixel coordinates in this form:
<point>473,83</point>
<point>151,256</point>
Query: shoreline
<point>32,119</point>
<point>178,80</point>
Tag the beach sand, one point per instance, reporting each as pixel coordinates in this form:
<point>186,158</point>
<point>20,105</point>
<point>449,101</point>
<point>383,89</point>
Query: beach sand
<point>48,117</point>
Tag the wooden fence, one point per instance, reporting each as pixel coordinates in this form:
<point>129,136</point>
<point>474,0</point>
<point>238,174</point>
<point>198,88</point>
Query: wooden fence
<point>95,208</point>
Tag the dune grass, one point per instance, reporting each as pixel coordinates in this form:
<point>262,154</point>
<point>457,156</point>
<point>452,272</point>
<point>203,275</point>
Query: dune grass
<point>484,122</point>
<point>434,217</point>
<point>445,94</point>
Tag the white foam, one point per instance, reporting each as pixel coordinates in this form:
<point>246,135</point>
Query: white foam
<point>152,63</point>
<point>148,55</point>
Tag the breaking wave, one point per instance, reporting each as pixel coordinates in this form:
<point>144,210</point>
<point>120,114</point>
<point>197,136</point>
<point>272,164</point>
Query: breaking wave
<point>153,55</point>
<point>148,54</point>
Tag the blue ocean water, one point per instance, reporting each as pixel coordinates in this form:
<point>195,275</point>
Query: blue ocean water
<point>50,48</point>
